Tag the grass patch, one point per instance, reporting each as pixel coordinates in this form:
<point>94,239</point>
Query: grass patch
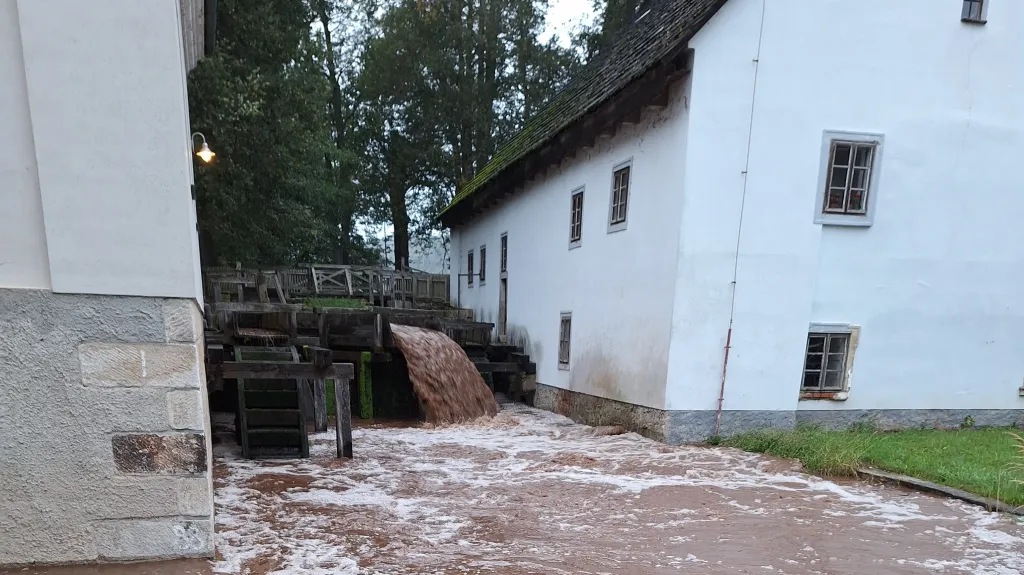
<point>342,302</point>
<point>977,460</point>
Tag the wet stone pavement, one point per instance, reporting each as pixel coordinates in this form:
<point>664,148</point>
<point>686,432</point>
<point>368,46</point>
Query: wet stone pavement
<point>532,492</point>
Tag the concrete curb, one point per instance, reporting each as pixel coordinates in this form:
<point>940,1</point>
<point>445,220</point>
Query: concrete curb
<point>929,487</point>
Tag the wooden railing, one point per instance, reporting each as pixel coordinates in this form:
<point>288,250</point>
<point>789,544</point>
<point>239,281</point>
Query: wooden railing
<point>377,285</point>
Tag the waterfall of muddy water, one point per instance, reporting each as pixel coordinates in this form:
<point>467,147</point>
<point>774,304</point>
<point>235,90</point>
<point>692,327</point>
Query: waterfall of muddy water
<point>443,377</point>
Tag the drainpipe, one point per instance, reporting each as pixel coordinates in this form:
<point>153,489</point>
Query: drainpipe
<point>739,232</point>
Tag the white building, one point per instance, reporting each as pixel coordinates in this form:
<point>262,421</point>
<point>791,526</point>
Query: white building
<point>104,439</point>
<point>673,264</point>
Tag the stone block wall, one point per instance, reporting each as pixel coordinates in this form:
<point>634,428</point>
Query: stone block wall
<point>104,431</point>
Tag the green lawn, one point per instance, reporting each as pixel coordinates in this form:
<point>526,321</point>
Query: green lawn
<point>983,461</point>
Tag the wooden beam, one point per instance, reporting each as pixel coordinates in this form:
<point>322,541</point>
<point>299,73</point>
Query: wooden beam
<point>281,370</point>
<point>505,367</point>
<point>343,415</point>
<point>253,307</point>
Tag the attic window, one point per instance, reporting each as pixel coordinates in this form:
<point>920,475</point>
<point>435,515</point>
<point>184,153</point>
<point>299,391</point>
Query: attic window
<point>974,11</point>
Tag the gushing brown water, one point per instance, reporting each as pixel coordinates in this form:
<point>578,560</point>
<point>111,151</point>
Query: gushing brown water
<point>443,377</point>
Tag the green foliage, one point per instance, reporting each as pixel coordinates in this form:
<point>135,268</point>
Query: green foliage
<point>976,460</point>
<point>365,386</point>
<point>271,194</point>
<point>326,114</point>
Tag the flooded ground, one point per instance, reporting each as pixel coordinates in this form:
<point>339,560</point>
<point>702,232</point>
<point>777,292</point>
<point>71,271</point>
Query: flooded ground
<point>532,492</point>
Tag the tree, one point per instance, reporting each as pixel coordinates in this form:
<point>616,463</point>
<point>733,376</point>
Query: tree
<point>274,194</point>
<point>440,86</point>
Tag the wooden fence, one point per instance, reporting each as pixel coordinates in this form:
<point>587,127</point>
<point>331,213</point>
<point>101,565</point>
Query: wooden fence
<point>379,286</point>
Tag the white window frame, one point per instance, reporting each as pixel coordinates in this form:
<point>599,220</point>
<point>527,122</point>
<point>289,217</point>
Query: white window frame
<point>581,191</point>
<point>856,220</point>
<point>562,318</point>
<point>965,16</point>
<point>852,333</point>
<point>619,226</point>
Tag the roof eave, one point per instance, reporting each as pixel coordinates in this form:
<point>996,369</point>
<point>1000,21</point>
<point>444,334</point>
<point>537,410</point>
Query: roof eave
<point>649,89</point>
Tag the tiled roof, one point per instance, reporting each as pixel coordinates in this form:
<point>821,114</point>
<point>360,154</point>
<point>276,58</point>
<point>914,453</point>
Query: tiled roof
<point>654,35</point>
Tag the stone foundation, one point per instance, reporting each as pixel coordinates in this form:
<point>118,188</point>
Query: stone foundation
<point>697,426</point>
<point>103,429</point>
<point>910,418</point>
<point>593,410</point>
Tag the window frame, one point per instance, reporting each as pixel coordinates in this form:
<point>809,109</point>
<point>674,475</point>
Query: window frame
<point>576,241</point>
<point>482,273</point>
<point>830,330</point>
<point>828,139</point>
<point>469,268</point>
<point>503,256</point>
<point>565,336</point>
<point>613,224</point>
<point>965,11</point>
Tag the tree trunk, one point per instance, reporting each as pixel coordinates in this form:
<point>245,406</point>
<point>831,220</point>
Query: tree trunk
<point>400,221</point>
<point>337,106</point>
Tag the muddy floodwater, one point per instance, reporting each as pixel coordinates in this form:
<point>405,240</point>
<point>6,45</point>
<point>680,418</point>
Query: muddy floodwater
<point>532,492</point>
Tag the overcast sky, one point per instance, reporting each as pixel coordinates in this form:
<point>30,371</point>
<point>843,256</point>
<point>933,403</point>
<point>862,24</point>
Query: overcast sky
<point>564,14</point>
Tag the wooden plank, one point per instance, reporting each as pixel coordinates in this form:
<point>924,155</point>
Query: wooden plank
<point>502,367</point>
<point>279,288</point>
<point>280,399</point>
<point>277,437</point>
<point>243,427</point>
<point>271,417</point>
<point>253,307</point>
<point>322,359</point>
<point>348,280</point>
<point>343,414</point>
<point>282,370</point>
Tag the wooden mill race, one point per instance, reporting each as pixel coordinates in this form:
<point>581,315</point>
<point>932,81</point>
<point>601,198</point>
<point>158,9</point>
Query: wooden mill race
<point>385,344</point>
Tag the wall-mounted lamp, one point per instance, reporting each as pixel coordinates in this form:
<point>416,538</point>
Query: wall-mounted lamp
<point>205,153</point>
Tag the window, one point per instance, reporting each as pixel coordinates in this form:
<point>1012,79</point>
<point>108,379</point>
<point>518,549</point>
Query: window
<point>504,252</point>
<point>576,219</point>
<point>483,264</point>
<point>849,178</point>
<point>620,197</point>
<point>469,268</point>
<point>825,364</point>
<point>564,336</point>
<point>974,11</point>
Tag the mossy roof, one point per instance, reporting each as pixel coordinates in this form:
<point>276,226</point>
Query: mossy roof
<point>658,31</point>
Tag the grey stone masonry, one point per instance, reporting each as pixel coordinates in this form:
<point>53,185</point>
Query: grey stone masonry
<point>698,426</point>
<point>593,410</point>
<point>104,429</point>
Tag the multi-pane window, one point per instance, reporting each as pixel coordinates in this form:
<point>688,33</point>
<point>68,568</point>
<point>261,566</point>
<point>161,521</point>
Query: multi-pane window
<point>825,364</point>
<point>973,11</point>
<point>504,252</point>
<point>483,263</point>
<point>620,195</point>
<point>564,336</point>
<point>848,181</point>
<point>469,267</point>
<point>576,218</point>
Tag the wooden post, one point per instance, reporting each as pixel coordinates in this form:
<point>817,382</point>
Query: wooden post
<point>293,326</point>
<point>343,412</point>
<point>320,404</point>
<point>321,359</point>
